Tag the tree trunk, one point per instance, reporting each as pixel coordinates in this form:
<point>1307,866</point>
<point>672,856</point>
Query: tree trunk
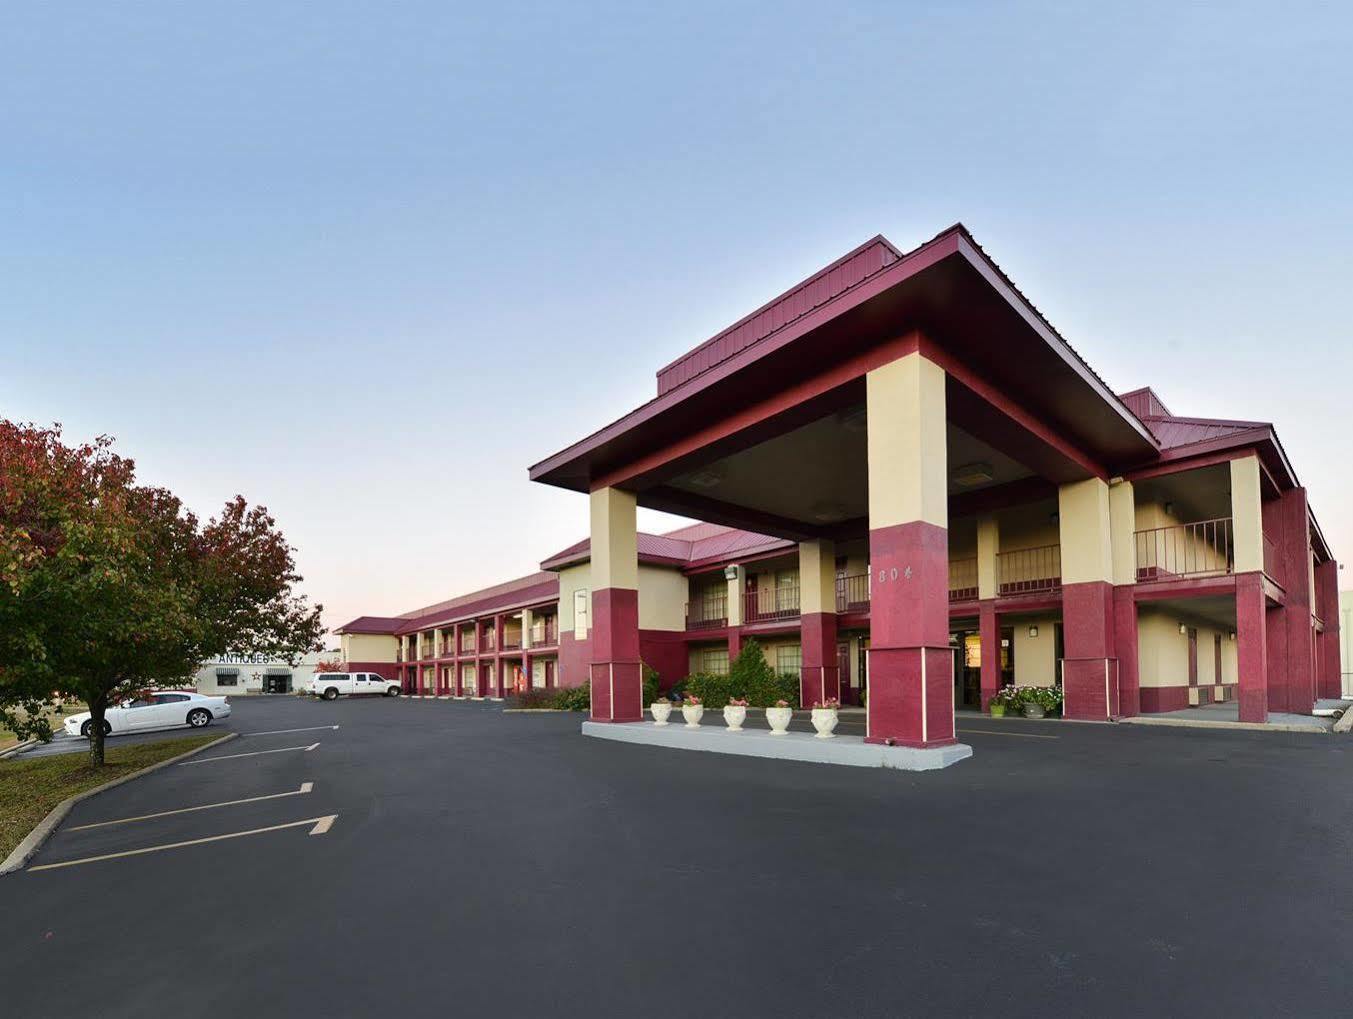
<point>96,709</point>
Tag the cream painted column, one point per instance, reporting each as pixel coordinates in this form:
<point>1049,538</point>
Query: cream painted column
<point>988,622</point>
<point>1089,670</point>
<point>526,619</point>
<point>735,609</point>
<point>819,673</point>
<point>617,686</point>
<point>911,685</point>
<point>1247,516</point>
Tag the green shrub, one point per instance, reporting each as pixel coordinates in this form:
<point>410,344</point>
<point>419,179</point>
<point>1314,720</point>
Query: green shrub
<point>650,684</point>
<point>712,689</point>
<point>536,697</point>
<point>574,698</point>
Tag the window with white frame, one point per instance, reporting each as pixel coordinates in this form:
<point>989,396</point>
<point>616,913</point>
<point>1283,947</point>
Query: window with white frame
<point>714,660</point>
<point>789,659</point>
<point>580,607</point>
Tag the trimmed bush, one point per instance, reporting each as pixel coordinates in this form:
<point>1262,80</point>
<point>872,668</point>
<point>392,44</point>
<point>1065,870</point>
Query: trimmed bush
<point>749,676</point>
<point>574,698</point>
<point>650,684</point>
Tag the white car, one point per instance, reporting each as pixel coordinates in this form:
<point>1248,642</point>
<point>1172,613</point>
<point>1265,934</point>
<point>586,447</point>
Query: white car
<point>330,684</point>
<point>170,710</point>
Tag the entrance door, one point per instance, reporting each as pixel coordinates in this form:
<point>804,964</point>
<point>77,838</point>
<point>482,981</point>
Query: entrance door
<point>549,674</point>
<point>843,670</point>
<point>485,680</point>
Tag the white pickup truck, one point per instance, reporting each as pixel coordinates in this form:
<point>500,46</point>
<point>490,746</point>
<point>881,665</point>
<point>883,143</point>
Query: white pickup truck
<point>330,684</point>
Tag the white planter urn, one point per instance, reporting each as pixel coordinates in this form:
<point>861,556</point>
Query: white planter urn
<point>692,713</point>
<point>660,710</point>
<point>779,719</point>
<point>824,721</point>
<point>734,715</point>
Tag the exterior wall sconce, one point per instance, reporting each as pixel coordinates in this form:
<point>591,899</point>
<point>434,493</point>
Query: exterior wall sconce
<point>1183,629</point>
<point>730,572</point>
<point>1033,630</point>
<point>1231,635</point>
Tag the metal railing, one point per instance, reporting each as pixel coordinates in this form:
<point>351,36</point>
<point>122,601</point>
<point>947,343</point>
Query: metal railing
<point>468,644</point>
<point>511,643</point>
<point>709,612</point>
<point>771,603</point>
<point>1204,548</point>
<point>962,579</point>
<point>1028,570</point>
<point>852,593</point>
<point>490,640</point>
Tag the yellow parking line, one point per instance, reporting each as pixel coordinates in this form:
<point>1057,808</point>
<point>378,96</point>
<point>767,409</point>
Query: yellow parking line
<point>305,788</point>
<point>321,825</point>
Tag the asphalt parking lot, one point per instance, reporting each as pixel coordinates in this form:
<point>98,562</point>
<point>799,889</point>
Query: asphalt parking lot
<point>448,858</point>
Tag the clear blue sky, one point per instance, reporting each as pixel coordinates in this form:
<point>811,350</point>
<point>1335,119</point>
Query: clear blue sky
<point>366,262</point>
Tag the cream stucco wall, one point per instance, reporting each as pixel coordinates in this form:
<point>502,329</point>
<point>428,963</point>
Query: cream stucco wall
<point>663,593</point>
<point>1035,657</point>
<point>571,580</point>
<point>1087,550</point>
<point>368,647</point>
<point>1163,652</point>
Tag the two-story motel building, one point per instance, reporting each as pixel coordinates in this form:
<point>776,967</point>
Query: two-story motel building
<point>912,484</point>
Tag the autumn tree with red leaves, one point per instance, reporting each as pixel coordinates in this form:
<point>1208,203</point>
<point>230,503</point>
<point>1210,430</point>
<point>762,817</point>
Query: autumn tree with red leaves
<point>108,587</point>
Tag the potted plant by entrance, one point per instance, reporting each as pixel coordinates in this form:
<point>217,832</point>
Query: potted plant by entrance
<point>692,710</point>
<point>779,718</point>
<point>1005,699</point>
<point>1037,701</point>
<point>735,713</point>
<point>825,717</point>
<point>661,709</point>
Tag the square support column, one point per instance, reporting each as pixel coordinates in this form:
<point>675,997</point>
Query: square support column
<point>734,608</point>
<point>1122,528</point>
<point>911,666</point>
<point>1292,687</point>
<point>614,672</point>
<point>1252,647</point>
<point>1090,668</point>
<point>1327,608</point>
<point>989,633</point>
<point>819,675</point>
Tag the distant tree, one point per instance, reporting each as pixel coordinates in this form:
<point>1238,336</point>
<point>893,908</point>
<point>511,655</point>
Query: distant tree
<point>331,665</point>
<point>108,587</point>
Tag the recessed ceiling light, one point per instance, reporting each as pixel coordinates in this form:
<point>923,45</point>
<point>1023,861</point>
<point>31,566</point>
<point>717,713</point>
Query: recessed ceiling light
<point>971,474</point>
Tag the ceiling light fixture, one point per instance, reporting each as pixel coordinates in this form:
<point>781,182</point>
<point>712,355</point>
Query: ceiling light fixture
<point>971,474</point>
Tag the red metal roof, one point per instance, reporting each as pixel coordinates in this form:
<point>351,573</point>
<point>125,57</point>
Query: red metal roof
<point>682,547</point>
<point>370,624</point>
<point>825,285</point>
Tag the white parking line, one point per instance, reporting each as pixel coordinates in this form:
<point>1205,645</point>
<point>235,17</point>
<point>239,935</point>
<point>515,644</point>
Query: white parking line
<point>256,753</point>
<point>278,732</point>
<point>305,788</point>
<point>321,825</point>
<point>1023,735</point>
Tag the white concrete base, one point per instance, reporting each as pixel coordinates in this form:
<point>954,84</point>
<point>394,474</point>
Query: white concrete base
<point>792,746</point>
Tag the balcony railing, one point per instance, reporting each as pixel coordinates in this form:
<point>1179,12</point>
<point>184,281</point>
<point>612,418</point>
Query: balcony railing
<point>962,579</point>
<point>772,603</point>
<point>468,646</point>
<point>545,632</point>
<point>1029,570</point>
<point>852,593</point>
<point>1202,549</point>
<point>708,612</point>
<point>399,654</point>
<point>511,643</point>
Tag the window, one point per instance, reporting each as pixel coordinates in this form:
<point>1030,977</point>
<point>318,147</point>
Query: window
<point>789,659</point>
<point>580,603</point>
<point>714,660</point>
<point>170,698</point>
<point>227,677</point>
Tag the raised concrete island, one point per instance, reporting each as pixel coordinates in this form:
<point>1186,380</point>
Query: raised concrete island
<point>792,746</point>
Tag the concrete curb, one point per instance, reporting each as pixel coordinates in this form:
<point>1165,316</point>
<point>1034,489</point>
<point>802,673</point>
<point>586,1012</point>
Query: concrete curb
<point>1345,722</point>
<point>24,851</point>
<point>1200,723</point>
<point>18,748</point>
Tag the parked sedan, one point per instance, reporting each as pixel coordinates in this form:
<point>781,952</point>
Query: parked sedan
<point>155,711</point>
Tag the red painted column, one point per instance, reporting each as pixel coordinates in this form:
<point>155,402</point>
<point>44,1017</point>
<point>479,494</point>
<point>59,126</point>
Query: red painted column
<point>1088,683</point>
<point>989,630</point>
<point>1252,647</point>
<point>734,643</point>
<point>820,675</point>
<point>1327,608</point>
<point>1125,643</point>
<point>911,666</point>
<point>614,672</point>
<point>1297,677</point>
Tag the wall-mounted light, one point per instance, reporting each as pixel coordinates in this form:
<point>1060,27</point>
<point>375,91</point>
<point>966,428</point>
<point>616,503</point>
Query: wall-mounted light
<point>730,572</point>
<point>1169,507</point>
<point>1033,630</point>
<point>1183,628</point>
<point>1231,635</point>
